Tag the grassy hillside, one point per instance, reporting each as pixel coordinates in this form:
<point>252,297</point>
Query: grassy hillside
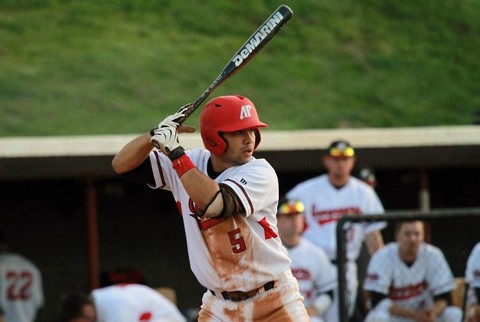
<point>120,66</point>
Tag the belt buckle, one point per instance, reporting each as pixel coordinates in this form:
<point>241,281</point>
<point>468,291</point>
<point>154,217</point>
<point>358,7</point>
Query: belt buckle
<point>238,296</point>
<point>242,296</point>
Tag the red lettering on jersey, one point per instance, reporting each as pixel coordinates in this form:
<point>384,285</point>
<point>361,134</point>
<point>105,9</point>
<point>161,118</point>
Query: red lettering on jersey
<point>145,317</point>
<point>179,206</point>
<point>308,294</point>
<point>333,215</point>
<point>407,292</point>
<point>193,207</point>
<point>269,232</point>
<point>301,274</point>
<point>19,285</point>
<point>237,241</point>
<point>373,277</point>
<point>205,224</point>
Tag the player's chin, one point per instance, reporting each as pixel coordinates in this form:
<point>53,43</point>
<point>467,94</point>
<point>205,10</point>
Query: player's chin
<point>244,158</point>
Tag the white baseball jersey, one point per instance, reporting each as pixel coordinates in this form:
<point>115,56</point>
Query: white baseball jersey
<point>21,292</point>
<point>414,286</point>
<point>134,303</point>
<point>312,269</point>
<point>472,273</point>
<point>325,205</point>
<point>238,253</point>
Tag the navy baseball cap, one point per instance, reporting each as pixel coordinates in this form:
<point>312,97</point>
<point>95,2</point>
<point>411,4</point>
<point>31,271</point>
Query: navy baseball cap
<point>341,148</point>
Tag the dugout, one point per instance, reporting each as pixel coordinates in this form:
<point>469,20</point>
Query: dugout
<point>63,207</point>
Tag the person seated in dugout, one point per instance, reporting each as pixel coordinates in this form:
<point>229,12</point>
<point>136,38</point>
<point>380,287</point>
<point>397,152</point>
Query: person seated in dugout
<point>310,264</point>
<point>409,280</point>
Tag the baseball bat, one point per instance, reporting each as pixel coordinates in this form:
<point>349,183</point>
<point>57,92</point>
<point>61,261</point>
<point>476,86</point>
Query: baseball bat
<point>249,49</point>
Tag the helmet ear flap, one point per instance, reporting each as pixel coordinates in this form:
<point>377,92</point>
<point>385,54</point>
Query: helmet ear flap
<point>214,141</point>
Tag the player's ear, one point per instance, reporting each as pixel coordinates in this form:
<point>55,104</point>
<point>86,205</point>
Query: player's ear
<point>324,159</point>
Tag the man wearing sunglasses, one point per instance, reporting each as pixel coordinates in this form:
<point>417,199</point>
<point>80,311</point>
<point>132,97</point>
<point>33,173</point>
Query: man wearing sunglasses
<point>329,197</point>
<point>310,264</point>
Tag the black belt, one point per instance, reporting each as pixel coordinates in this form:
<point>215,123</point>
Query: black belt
<point>335,261</point>
<point>237,296</point>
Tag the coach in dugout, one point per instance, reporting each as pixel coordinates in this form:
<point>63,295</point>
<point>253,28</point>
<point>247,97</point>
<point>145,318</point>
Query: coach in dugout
<point>328,198</point>
<point>410,280</point>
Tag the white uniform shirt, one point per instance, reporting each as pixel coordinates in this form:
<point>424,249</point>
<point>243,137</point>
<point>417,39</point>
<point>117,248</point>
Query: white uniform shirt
<point>325,205</point>
<point>134,303</point>
<point>312,269</point>
<point>239,253</point>
<point>472,273</point>
<point>21,292</point>
<point>414,286</point>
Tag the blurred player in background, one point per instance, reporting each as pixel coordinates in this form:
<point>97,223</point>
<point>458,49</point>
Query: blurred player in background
<point>21,290</point>
<point>122,297</point>
<point>76,307</point>
<point>367,175</point>
<point>228,201</point>
<point>329,197</point>
<point>410,280</point>
<point>472,277</point>
<point>310,265</point>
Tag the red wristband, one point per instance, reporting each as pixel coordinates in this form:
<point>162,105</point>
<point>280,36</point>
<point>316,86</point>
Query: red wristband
<point>182,165</point>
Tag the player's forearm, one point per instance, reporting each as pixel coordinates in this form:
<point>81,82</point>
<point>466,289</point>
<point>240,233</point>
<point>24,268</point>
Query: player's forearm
<point>199,187</point>
<point>401,312</point>
<point>439,306</point>
<point>374,242</point>
<point>132,154</point>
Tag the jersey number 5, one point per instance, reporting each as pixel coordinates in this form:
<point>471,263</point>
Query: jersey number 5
<point>237,241</point>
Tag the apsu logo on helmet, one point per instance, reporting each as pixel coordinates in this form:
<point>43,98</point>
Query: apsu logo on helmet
<point>245,111</point>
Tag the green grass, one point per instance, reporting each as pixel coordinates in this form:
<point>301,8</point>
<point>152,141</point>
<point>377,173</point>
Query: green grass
<point>84,67</point>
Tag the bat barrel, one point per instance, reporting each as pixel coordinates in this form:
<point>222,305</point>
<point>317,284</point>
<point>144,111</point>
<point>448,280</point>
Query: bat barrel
<point>250,48</point>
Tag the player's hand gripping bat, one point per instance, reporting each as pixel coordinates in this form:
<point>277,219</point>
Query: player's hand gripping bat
<point>249,49</point>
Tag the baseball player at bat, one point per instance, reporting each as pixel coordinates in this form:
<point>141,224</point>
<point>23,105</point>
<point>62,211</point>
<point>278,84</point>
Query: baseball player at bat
<point>327,198</point>
<point>410,280</point>
<point>310,264</point>
<point>228,202</point>
<point>472,277</point>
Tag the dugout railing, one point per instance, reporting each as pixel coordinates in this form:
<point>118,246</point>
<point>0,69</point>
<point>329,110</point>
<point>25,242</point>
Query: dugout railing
<point>455,231</point>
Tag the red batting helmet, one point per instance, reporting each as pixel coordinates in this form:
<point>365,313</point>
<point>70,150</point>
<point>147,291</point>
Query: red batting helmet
<point>227,114</point>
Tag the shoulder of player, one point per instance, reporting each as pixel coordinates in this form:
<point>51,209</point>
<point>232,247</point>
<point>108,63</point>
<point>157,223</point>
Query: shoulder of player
<point>254,167</point>
<point>431,250</point>
<point>317,250</point>
<point>476,250</point>
<point>307,184</point>
<point>359,184</point>
<point>388,252</point>
<point>19,258</point>
<point>261,163</point>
